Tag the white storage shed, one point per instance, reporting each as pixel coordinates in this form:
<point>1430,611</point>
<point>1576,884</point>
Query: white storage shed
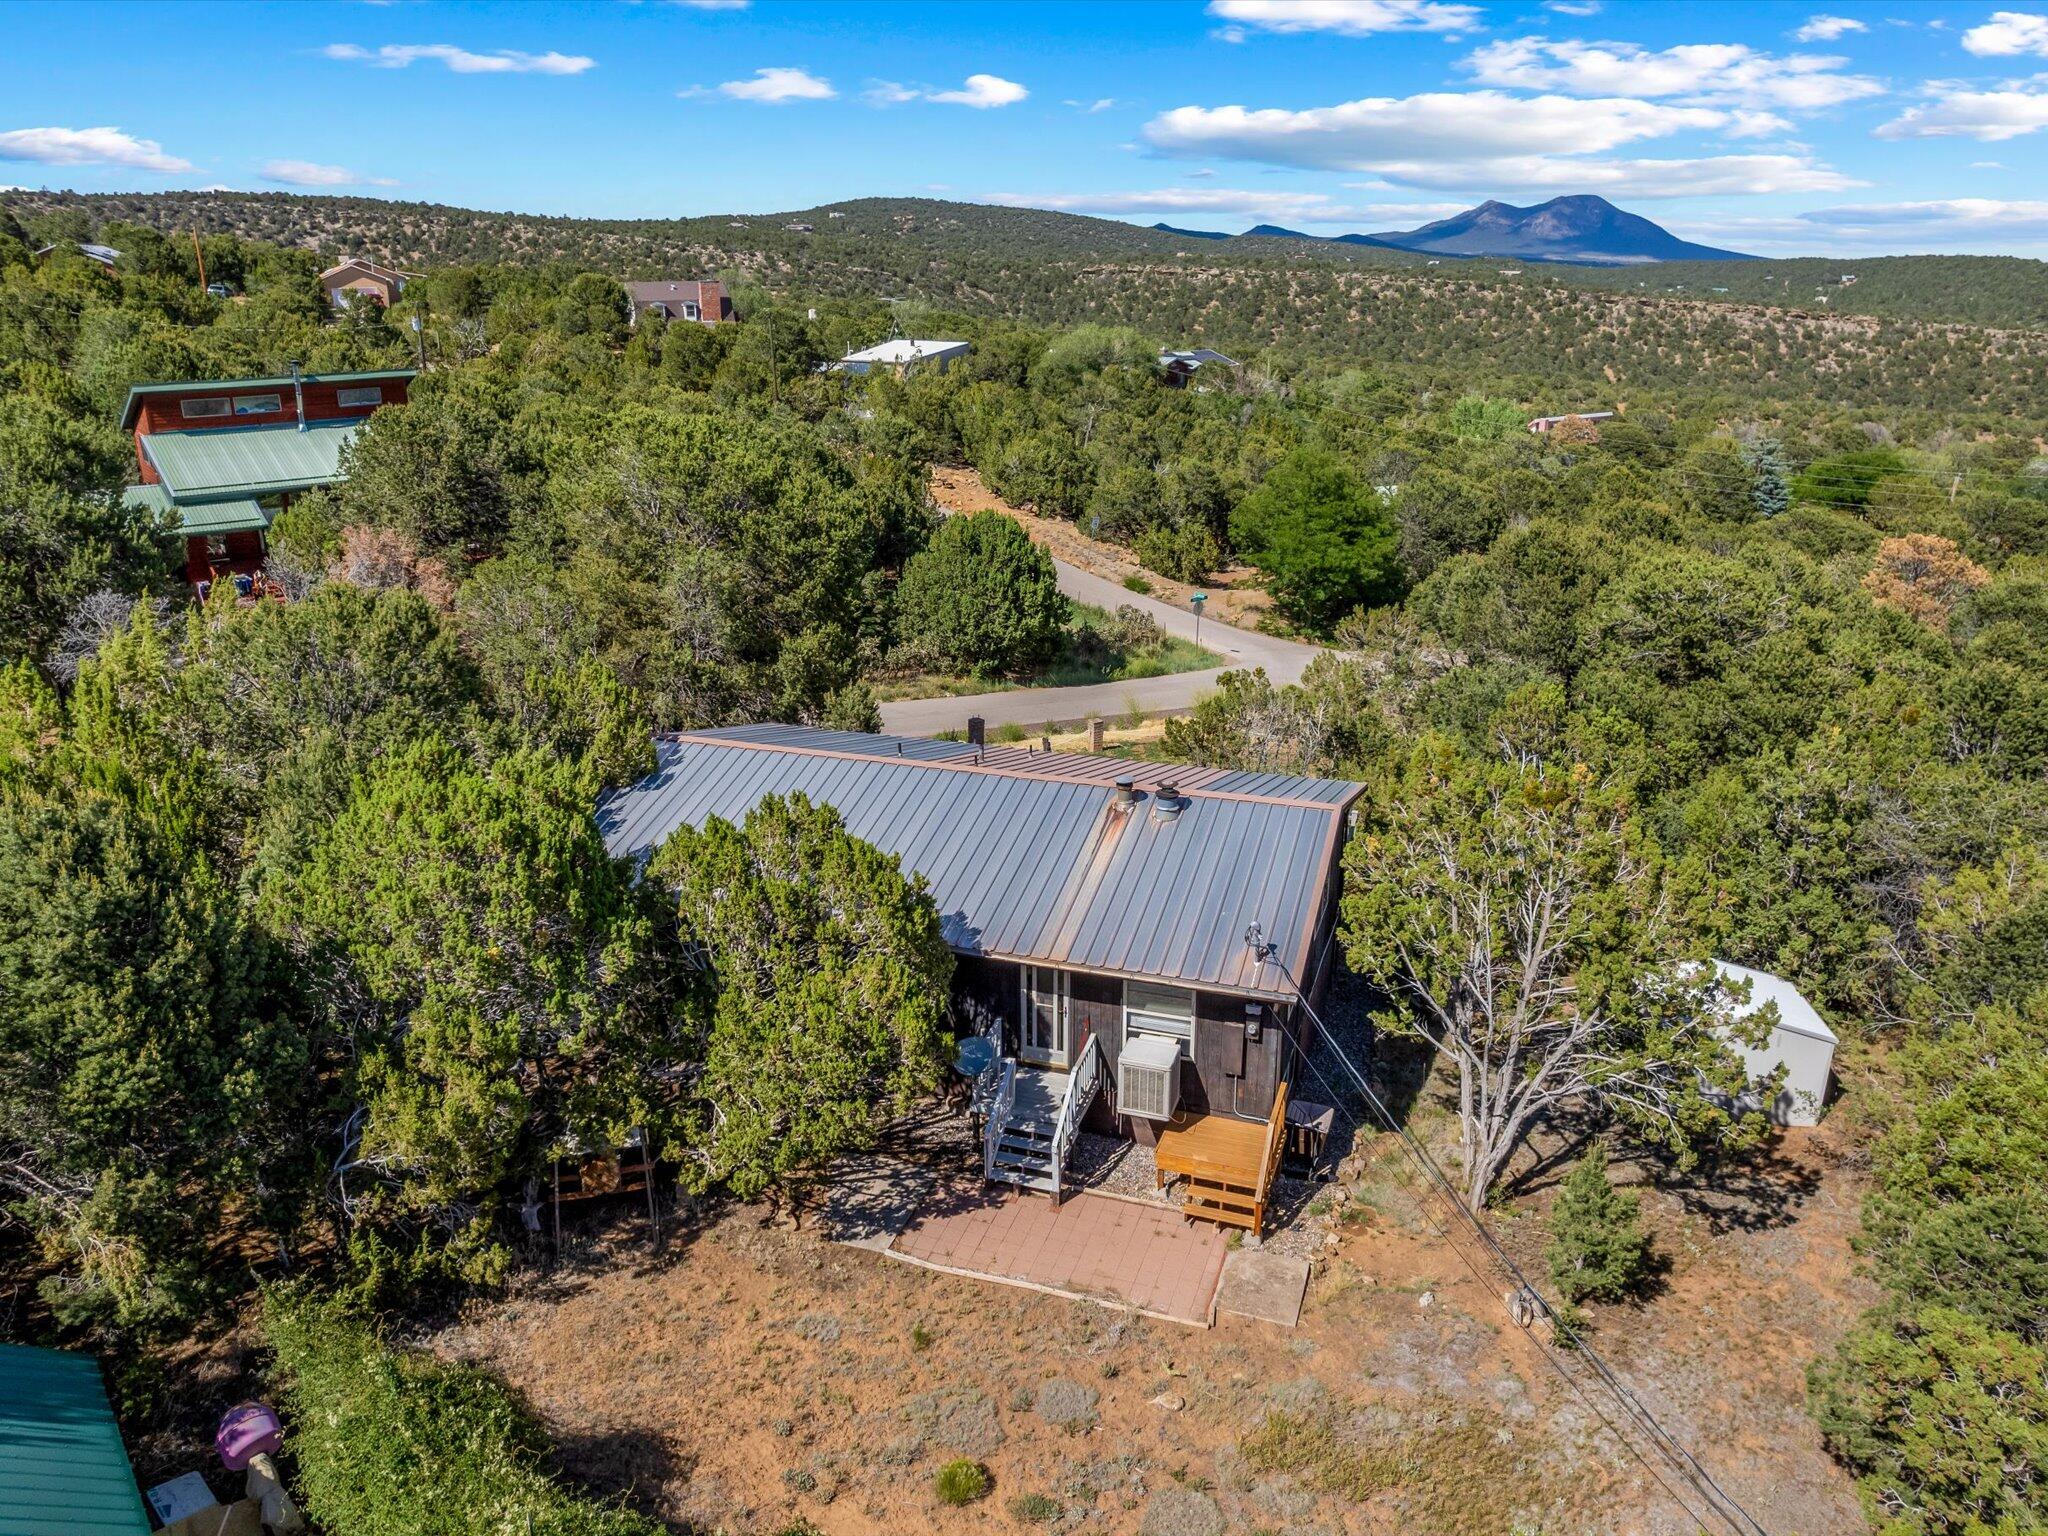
<point>1801,1041</point>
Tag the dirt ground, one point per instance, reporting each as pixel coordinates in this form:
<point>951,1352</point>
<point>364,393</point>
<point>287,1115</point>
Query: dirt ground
<point>1234,596</point>
<point>755,1376</point>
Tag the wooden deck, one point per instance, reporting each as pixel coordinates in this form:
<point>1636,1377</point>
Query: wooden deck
<point>1228,1163</point>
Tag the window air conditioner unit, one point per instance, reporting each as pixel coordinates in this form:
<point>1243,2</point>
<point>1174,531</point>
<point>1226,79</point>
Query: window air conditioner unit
<point>1148,1077</point>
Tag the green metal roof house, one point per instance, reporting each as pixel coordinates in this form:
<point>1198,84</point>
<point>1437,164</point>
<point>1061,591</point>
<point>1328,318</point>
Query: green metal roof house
<point>63,1469</point>
<point>225,455</point>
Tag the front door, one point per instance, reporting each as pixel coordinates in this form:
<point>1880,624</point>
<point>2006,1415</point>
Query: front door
<point>1044,1034</point>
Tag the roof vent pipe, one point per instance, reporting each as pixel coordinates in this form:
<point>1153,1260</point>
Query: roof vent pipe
<point>299,396</point>
<point>1167,804</point>
<point>1126,794</point>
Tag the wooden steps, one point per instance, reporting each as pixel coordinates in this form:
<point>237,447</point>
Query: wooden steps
<point>1229,1164</point>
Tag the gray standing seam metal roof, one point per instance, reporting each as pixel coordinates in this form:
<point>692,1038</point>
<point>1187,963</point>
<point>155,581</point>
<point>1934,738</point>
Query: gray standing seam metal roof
<point>1027,855</point>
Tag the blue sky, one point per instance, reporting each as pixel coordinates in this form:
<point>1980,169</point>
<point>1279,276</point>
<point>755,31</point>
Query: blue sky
<point>1782,128</point>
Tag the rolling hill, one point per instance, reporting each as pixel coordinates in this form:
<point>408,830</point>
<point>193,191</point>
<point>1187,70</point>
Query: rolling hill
<point>1037,263</point>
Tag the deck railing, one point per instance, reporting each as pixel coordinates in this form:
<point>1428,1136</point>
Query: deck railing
<point>997,1115</point>
<point>1084,1081</point>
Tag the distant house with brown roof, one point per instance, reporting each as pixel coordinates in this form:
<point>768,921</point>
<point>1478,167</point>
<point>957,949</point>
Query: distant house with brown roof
<point>698,303</point>
<point>358,277</point>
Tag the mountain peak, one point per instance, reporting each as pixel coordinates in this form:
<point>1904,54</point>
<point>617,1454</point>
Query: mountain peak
<point>1577,227</point>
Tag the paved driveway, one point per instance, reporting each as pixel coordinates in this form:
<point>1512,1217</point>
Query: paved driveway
<point>1284,661</point>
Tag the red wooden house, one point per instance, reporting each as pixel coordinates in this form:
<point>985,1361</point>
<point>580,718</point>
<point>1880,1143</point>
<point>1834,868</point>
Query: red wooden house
<point>225,456</point>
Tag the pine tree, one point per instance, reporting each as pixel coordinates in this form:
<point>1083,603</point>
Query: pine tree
<point>1771,488</point>
<point>1598,1249</point>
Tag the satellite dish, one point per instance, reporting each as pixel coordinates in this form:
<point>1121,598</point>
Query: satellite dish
<point>977,1055</point>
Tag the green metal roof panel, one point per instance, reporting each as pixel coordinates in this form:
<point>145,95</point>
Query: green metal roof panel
<point>136,392</point>
<point>207,517</point>
<point>229,463</point>
<point>63,1469</point>
<point>147,498</point>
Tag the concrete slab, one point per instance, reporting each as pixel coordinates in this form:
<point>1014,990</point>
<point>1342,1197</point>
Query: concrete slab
<point>1263,1285</point>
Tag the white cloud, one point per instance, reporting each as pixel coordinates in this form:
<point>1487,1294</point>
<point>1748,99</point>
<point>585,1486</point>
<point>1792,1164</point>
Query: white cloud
<point>500,61</point>
<point>1480,141</point>
<point>778,84</point>
<point>1957,112</point>
<point>1348,18</point>
<point>713,5</point>
<point>1573,7</point>
<point>88,146</point>
<point>1948,225</point>
<point>2007,33</point>
<point>1708,73</point>
<point>1825,29</point>
<point>309,173</point>
<point>1360,135</point>
<point>983,92</point>
<point>1100,104</point>
<point>1986,165</point>
<point>1259,206</point>
<point>1708,176</point>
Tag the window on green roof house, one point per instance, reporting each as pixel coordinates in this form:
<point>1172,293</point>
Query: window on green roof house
<point>215,405</point>
<point>257,405</point>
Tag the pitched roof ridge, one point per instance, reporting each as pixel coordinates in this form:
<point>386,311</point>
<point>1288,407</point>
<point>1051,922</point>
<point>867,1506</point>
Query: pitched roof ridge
<point>1187,779</point>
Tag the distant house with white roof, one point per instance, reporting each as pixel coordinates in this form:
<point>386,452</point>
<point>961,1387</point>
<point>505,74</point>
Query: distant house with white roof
<point>903,357</point>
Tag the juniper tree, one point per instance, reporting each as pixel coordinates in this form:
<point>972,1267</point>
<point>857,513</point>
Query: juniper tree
<point>1518,914</point>
<point>1598,1250</point>
<point>830,978</point>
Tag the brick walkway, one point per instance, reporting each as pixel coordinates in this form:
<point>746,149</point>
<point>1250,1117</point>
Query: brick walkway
<point>1093,1246</point>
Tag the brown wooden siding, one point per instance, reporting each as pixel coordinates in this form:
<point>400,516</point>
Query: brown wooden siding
<point>1225,1073</point>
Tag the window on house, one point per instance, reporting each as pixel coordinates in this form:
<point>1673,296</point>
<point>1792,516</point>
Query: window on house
<point>216,546</point>
<point>215,406</point>
<point>692,312</point>
<point>257,405</point>
<point>1150,1009</point>
<point>369,394</point>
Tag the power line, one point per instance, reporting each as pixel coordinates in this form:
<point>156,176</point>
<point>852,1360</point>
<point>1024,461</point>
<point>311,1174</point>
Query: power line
<point>1550,1356</point>
<point>1682,1461</point>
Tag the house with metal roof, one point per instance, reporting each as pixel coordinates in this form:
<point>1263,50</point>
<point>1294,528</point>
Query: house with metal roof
<point>1181,368</point>
<point>63,1468</point>
<point>100,255</point>
<point>217,459</point>
<point>903,357</point>
<point>1134,939</point>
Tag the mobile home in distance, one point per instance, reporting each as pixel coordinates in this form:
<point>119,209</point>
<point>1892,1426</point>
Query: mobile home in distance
<point>903,358</point>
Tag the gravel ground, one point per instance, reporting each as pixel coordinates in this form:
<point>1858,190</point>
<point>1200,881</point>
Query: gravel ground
<point>1112,1166</point>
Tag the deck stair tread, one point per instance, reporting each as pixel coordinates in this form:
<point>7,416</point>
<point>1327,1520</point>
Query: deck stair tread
<point>1023,1152</point>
